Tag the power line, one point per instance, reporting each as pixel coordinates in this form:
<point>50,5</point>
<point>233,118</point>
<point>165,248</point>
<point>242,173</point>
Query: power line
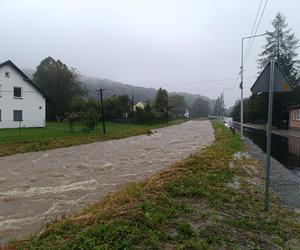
<point>262,13</point>
<point>185,83</point>
<point>257,13</point>
<point>201,81</point>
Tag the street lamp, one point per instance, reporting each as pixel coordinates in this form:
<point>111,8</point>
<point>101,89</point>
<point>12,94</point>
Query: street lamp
<point>242,80</point>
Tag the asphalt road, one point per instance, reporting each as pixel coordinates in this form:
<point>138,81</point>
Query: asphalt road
<point>37,187</point>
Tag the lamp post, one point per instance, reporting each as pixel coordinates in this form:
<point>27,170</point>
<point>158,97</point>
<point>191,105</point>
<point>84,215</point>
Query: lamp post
<point>242,79</point>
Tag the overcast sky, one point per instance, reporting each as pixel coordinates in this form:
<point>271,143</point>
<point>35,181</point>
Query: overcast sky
<point>182,45</point>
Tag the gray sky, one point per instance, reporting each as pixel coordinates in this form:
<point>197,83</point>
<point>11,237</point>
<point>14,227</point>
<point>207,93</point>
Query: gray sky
<point>182,45</point>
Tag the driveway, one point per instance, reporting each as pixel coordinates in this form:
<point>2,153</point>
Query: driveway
<point>37,187</point>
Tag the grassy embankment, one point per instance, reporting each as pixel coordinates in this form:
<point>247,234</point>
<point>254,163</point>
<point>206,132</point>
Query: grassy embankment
<point>55,135</point>
<point>211,200</point>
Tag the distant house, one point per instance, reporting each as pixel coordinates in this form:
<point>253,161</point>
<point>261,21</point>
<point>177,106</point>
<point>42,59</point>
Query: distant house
<point>140,105</point>
<point>294,117</point>
<point>187,113</point>
<point>21,102</point>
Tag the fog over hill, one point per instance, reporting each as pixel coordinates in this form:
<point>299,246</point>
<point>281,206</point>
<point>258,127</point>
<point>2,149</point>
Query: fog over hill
<point>138,93</point>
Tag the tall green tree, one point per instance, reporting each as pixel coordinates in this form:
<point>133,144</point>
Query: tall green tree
<point>200,108</point>
<point>236,110</point>
<point>161,100</point>
<point>117,107</point>
<point>177,105</point>
<point>281,45</point>
<point>60,84</point>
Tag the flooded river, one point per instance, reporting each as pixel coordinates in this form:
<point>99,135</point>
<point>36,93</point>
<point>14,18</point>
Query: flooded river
<point>38,186</point>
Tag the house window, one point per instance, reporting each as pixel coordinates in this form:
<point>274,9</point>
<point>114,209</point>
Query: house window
<point>17,92</point>
<point>296,115</point>
<point>293,114</point>
<point>18,115</point>
<point>7,74</point>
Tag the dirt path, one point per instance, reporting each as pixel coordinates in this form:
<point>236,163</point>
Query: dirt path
<point>35,187</point>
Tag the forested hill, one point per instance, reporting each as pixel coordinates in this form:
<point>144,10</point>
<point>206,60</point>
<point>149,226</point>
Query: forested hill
<point>118,88</point>
<point>139,93</point>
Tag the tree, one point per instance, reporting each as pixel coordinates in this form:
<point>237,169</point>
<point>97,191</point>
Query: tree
<point>59,83</point>
<point>236,111</point>
<point>144,115</point>
<point>124,106</point>
<point>161,101</point>
<point>219,107</point>
<point>281,45</point>
<point>200,108</point>
<point>117,107</point>
<point>90,118</point>
<point>177,105</point>
<point>161,104</point>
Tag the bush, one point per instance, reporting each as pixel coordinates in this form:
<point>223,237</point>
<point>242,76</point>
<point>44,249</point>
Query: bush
<point>90,118</point>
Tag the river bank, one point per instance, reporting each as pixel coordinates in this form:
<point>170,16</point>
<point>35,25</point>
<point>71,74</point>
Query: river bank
<point>211,200</point>
<point>39,186</point>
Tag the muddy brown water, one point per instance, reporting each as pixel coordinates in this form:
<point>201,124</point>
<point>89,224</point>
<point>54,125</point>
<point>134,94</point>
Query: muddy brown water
<point>39,186</point>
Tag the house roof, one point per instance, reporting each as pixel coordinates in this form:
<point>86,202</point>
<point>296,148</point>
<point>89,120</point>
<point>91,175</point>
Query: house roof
<point>140,103</point>
<point>297,106</point>
<point>25,77</point>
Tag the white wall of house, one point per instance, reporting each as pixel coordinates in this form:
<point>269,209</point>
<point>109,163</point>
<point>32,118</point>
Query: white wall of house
<point>32,102</point>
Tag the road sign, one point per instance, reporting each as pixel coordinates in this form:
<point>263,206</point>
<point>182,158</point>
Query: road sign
<point>272,79</point>
<point>281,83</point>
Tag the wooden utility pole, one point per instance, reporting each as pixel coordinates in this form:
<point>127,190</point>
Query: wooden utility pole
<point>168,111</point>
<point>100,94</point>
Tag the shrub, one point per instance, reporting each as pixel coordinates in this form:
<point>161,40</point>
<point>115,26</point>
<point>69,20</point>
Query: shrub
<point>90,118</point>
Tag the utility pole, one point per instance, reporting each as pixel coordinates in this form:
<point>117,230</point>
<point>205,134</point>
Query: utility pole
<point>218,103</point>
<point>132,106</point>
<point>223,101</point>
<point>242,80</point>
<point>269,135</point>
<point>222,105</point>
<point>100,92</point>
<point>168,111</point>
<point>242,92</point>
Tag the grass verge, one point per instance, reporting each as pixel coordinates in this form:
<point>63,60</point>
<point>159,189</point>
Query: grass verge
<point>55,136</point>
<point>211,200</point>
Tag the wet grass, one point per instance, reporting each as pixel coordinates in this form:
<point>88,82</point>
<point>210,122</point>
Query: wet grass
<point>211,200</point>
<point>56,135</point>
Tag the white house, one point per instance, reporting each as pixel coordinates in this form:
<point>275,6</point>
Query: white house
<point>21,102</point>
<point>140,105</point>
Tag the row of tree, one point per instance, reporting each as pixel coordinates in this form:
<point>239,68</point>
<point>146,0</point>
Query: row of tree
<point>281,45</point>
<point>66,94</point>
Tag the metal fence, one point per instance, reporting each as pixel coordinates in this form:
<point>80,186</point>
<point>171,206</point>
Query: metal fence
<point>11,131</point>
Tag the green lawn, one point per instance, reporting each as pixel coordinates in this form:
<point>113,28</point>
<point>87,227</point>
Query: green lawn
<point>57,135</point>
